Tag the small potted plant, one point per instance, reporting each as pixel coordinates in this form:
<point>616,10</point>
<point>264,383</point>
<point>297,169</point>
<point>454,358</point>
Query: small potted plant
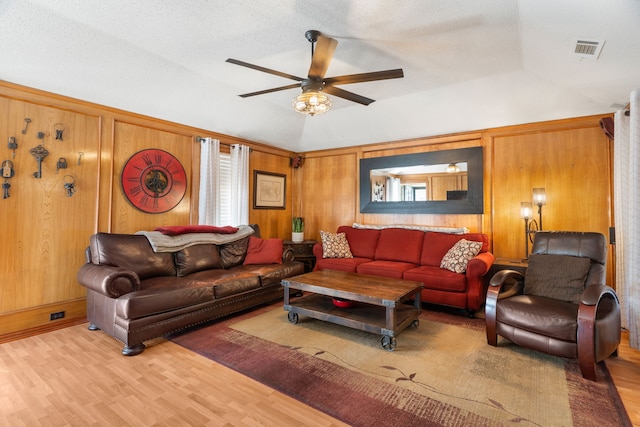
<point>297,229</point>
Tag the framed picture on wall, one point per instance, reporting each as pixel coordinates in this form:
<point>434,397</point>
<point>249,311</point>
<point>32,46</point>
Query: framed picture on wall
<point>269,190</point>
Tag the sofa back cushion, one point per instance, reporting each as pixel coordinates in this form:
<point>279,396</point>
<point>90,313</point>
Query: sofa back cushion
<point>233,253</point>
<point>197,258</point>
<point>132,252</point>
<point>264,251</point>
<point>399,244</point>
<point>436,245</point>
<point>362,241</point>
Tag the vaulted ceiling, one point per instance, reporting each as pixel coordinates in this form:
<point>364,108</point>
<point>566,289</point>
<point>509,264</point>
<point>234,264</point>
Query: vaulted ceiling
<point>467,64</point>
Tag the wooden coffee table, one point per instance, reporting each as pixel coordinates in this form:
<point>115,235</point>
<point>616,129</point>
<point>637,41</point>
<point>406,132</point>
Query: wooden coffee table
<point>379,302</point>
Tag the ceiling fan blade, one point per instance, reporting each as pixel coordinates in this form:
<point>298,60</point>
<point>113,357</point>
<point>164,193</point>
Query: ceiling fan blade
<point>264,70</point>
<point>275,89</point>
<point>341,93</point>
<point>322,55</point>
<point>365,77</point>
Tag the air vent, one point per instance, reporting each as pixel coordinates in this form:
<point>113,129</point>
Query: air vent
<point>587,48</point>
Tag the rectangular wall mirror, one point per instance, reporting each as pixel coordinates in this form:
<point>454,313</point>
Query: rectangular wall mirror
<point>436,182</point>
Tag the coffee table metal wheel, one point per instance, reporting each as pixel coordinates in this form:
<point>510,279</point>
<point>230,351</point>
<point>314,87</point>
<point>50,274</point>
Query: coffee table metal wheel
<point>388,343</point>
<point>293,317</point>
<point>415,324</point>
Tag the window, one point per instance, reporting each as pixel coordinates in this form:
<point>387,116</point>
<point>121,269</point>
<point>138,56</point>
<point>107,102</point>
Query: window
<point>225,189</point>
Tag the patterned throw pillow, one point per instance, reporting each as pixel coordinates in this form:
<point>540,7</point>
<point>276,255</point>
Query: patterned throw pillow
<point>335,245</point>
<point>457,258</point>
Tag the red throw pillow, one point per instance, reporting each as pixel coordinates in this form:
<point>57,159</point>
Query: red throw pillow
<point>264,251</point>
<point>174,230</point>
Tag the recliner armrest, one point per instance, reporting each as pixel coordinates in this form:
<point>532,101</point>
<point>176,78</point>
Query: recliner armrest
<point>108,280</point>
<point>514,278</point>
<point>594,293</point>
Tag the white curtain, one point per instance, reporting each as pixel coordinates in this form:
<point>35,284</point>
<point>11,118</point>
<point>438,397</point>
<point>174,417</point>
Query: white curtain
<point>627,215</point>
<point>239,184</point>
<point>208,208</point>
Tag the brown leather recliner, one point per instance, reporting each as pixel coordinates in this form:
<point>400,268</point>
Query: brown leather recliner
<point>561,306</point>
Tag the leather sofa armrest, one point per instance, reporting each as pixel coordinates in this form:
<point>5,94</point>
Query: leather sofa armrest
<point>108,280</point>
<point>288,255</point>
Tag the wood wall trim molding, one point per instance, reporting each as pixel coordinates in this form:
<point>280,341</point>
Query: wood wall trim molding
<point>30,321</point>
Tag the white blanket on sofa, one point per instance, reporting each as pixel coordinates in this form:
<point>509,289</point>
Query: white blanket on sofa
<point>164,243</point>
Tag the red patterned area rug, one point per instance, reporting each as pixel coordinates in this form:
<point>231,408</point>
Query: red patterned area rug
<point>442,373</point>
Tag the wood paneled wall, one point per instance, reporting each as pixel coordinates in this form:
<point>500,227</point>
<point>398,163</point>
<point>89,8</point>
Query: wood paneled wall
<point>570,158</point>
<point>45,232</point>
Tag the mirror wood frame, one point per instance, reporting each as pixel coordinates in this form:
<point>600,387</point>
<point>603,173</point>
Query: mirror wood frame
<point>474,204</point>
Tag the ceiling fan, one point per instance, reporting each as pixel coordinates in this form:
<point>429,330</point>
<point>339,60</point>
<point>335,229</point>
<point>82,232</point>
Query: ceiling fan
<point>313,99</point>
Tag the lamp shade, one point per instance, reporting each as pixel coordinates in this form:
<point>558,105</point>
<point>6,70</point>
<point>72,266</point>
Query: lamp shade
<point>539,196</point>
<point>526,210</point>
<point>312,102</point>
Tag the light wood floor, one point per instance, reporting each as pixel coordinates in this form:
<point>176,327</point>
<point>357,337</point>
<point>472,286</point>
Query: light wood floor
<point>75,377</point>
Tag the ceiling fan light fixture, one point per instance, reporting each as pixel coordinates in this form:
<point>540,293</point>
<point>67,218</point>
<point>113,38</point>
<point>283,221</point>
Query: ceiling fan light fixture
<point>312,102</point>
<point>453,168</point>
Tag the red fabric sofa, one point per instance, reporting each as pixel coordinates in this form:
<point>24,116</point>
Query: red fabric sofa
<point>415,255</point>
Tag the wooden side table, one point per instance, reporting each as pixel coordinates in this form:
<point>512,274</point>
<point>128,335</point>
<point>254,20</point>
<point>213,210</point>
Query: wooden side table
<point>303,252</point>
<point>499,264</point>
<point>518,265</point>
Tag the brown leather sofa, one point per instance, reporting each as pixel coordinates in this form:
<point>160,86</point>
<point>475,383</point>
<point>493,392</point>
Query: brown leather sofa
<point>562,305</point>
<point>135,294</point>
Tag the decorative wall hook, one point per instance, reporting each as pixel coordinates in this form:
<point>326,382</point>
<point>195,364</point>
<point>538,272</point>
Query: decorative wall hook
<point>59,128</point>
<point>80,154</point>
<point>70,185</point>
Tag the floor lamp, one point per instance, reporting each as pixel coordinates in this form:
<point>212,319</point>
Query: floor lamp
<point>531,226</point>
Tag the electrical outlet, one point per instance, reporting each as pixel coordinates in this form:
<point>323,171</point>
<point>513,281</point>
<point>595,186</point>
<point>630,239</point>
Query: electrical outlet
<point>56,315</point>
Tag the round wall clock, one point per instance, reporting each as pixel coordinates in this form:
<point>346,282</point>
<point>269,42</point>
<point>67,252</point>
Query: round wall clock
<point>153,181</point>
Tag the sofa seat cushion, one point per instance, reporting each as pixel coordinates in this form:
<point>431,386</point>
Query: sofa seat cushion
<point>393,269</point>
<point>437,278</point>
<point>540,315</point>
<point>399,244</point>
<point>228,282</point>
<point>436,245</point>
<point>342,264</point>
<point>272,274</point>
<point>197,258</point>
<point>362,241</point>
<point>147,302</point>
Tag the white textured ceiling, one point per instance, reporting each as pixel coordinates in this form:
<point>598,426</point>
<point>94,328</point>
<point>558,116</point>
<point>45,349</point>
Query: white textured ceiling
<point>468,64</point>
